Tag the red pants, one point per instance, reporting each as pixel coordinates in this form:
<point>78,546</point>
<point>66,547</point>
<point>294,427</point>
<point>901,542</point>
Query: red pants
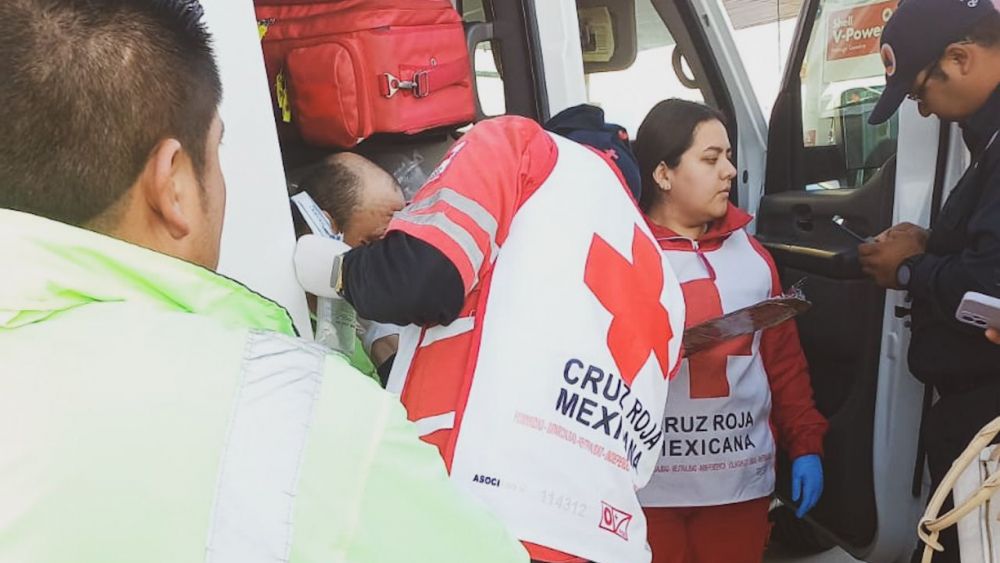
<point>729,533</point>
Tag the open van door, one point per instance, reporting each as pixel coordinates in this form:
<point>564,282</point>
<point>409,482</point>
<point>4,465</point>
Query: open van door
<point>825,160</point>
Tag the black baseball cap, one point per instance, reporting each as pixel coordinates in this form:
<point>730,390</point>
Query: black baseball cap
<point>914,37</point>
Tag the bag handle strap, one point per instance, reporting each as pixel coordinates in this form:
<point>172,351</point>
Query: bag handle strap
<point>425,80</point>
<point>931,524</point>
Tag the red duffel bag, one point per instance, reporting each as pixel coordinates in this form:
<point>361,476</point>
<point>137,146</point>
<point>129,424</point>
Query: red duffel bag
<point>341,70</point>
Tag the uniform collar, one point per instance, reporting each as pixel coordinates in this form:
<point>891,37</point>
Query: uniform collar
<point>51,267</point>
<point>978,129</point>
<point>734,220</point>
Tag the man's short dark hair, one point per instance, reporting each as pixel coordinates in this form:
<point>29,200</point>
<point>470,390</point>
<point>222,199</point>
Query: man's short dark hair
<point>335,186</point>
<point>88,89</point>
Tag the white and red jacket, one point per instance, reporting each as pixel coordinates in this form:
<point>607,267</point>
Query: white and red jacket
<point>728,403</point>
<point>546,395</point>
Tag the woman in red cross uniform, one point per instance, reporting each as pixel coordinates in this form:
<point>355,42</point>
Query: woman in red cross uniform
<point>731,406</point>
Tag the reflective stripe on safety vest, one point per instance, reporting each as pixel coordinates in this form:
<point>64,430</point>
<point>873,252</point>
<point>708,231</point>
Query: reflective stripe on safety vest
<point>263,451</point>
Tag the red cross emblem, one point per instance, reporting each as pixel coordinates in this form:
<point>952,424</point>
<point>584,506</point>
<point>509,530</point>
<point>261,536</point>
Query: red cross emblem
<point>708,369</point>
<point>631,292</point>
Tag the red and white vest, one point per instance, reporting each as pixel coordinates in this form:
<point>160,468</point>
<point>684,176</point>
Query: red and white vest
<point>546,397</point>
<point>718,445</point>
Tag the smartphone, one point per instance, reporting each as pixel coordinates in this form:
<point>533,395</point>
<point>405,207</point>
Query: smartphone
<point>839,222</point>
<point>979,310</point>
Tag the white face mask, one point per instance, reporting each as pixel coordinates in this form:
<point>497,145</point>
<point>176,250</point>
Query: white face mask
<point>314,217</point>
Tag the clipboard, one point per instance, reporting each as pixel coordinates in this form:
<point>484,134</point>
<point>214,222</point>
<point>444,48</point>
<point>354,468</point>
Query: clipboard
<point>748,320</point>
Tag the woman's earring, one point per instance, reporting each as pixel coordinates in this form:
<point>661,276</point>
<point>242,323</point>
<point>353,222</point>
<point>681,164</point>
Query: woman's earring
<point>664,185</point>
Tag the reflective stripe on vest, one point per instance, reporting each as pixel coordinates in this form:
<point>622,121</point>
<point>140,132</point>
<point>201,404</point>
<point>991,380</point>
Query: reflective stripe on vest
<point>432,424</point>
<point>442,222</point>
<point>262,455</point>
<point>468,206</point>
<point>456,328</point>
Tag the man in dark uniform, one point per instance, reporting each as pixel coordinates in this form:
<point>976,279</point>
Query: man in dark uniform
<point>945,55</point>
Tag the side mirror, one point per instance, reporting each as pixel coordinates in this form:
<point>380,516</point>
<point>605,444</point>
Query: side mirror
<point>607,34</point>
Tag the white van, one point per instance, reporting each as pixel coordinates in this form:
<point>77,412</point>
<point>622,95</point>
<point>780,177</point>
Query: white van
<point>813,157</point>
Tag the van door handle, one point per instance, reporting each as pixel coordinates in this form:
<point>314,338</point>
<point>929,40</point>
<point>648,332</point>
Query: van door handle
<point>803,217</point>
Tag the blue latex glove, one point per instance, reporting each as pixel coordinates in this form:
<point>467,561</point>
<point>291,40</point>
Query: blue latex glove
<point>807,482</point>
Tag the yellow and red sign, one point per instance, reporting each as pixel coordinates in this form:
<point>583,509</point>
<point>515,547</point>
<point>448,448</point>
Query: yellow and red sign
<point>856,32</point>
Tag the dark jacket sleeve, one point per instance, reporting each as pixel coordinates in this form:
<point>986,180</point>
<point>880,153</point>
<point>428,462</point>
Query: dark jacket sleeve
<point>402,280</point>
<point>942,279</point>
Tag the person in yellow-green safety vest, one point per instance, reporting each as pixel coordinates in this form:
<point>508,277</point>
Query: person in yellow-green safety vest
<point>150,409</point>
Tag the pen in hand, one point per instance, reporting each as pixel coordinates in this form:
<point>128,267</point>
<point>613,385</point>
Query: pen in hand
<point>839,222</point>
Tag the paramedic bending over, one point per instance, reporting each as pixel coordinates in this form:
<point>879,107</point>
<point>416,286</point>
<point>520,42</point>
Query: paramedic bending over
<point>516,220</point>
<point>719,411</point>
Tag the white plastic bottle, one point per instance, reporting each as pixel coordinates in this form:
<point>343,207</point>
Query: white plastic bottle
<point>336,324</point>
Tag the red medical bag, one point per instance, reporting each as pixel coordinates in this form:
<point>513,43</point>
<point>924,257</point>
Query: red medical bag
<point>341,70</point>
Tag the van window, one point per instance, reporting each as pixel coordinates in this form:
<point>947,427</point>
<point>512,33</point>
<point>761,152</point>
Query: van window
<point>472,11</point>
<point>489,82</point>
<point>841,79</point>
<point>763,32</point>
<point>627,95</point>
